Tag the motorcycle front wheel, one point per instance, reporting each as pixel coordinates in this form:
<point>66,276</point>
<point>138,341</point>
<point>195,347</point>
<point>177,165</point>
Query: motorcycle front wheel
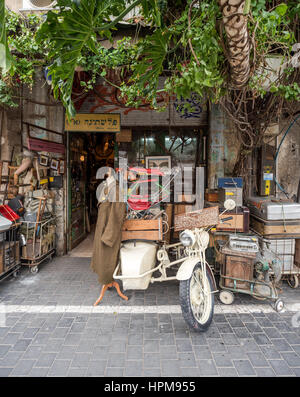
<point>197,300</point>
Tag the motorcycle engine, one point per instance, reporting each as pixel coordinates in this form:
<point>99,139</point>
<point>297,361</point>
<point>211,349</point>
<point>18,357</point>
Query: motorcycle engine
<point>266,262</point>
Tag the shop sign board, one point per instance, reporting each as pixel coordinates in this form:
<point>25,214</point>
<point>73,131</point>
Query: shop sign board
<point>95,122</point>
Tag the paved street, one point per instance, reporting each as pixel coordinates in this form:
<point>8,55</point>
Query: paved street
<point>48,327</point>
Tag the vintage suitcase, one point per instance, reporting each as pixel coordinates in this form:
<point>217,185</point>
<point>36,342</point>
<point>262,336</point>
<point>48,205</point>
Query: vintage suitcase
<point>235,194</point>
<point>287,228</point>
<point>237,265</point>
<point>238,223</point>
<point>272,209</point>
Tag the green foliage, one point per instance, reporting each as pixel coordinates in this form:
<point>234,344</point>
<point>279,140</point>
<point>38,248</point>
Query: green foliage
<point>162,51</point>
<point>6,94</point>
<point>26,55</point>
<point>190,57</point>
<point>289,92</point>
<point>73,30</point>
<point>5,57</point>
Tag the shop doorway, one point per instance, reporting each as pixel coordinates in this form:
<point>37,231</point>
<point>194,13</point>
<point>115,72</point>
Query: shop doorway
<point>87,152</point>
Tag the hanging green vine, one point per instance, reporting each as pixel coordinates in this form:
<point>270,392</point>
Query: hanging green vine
<point>183,41</point>
<point>26,55</point>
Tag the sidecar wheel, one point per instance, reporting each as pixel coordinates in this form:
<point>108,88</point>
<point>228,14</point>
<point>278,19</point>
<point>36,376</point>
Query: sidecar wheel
<point>197,300</point>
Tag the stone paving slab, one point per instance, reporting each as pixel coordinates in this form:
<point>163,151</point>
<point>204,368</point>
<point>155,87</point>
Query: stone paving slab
<point>48,327</point>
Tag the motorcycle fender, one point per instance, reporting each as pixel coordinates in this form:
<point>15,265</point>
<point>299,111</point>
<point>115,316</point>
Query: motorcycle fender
<point>186,269</point>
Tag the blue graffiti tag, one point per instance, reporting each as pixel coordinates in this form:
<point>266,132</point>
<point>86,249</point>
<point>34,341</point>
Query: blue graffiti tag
<point>194,109</point>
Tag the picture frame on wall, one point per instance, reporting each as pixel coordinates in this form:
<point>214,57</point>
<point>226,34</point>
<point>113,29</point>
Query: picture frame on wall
<point>44,160</point>
<point>160,162</point>
<point>54,164</point>
<point>62,166</point>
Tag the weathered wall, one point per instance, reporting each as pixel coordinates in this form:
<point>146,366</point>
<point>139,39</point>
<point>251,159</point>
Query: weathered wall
<point>223,146</point>
<point>108,100</point>
<point>10,133</point>
<point>288,163</point>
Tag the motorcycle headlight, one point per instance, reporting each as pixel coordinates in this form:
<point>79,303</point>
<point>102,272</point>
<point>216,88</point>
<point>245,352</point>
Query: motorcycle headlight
<point>187,238</point>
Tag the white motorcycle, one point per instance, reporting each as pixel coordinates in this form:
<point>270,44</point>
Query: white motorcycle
<point>139,260</point>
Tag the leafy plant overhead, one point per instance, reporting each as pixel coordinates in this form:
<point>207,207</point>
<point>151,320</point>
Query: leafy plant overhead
<point>5,57</point>
<point>219,49</point>
<point>23,54</point>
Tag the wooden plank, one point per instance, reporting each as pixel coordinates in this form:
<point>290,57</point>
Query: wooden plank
<point>141,224</point>
<point>137,235</point>
<point>201,218</point>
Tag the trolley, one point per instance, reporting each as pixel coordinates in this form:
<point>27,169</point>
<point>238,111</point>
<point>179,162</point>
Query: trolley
<point>39,242</point>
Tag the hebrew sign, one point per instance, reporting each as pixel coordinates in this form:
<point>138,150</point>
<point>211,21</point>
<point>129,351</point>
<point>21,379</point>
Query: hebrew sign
<point>102,122</point>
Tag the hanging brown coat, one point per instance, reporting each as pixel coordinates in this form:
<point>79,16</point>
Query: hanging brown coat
<point>107,240</point>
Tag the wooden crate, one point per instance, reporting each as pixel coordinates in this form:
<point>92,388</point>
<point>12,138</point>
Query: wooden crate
<point>239,266</point>
<point>238,223</point>
<point>140,229</point>
<point>211,196</point>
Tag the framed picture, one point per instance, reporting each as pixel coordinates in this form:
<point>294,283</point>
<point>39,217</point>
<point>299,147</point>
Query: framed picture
<point>62,166</point>
<point>44,160</point>
<point>158,162</point>
<point>54,164</point>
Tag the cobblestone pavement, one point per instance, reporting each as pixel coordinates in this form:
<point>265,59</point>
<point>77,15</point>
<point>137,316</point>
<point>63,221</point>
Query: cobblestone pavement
<point>48,327</point>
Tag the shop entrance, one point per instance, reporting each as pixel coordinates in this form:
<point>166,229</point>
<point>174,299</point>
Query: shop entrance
<point>142,147</point>
<point>87,152</point>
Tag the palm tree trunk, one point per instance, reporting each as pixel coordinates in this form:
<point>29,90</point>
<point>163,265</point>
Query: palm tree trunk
<point>238,43</point>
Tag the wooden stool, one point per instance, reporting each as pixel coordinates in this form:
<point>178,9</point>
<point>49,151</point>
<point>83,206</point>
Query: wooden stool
<point>110,285</point>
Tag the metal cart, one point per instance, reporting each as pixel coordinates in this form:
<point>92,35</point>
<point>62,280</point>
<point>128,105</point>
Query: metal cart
<point>39,242</point>
<point>236,263</point>
<point>244,267</point>
<point>284,248</point>
<point>9,252</point>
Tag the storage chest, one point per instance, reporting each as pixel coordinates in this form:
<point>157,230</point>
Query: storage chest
<point>288,228</point>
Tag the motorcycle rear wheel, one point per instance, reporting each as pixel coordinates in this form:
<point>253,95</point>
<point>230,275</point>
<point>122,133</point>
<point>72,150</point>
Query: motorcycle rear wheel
<point>197,300</point>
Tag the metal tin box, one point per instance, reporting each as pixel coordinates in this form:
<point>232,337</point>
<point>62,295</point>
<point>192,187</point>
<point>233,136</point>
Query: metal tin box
<point>273,211</point>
